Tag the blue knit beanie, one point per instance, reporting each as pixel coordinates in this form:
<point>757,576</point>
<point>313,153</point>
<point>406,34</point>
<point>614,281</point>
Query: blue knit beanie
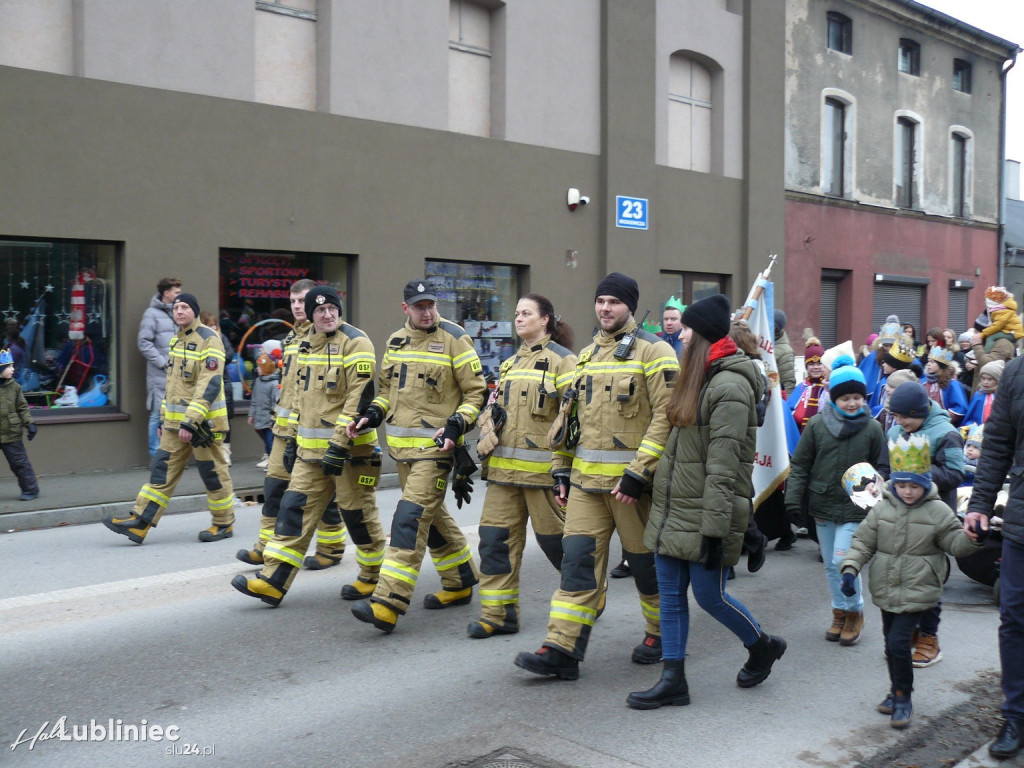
<point>846,380</point>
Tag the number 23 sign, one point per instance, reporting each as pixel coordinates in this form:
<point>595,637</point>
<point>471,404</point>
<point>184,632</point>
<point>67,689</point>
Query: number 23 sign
<point>630,212</point>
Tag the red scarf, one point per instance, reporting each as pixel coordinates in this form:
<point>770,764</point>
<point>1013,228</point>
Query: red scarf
<point>721,348</point>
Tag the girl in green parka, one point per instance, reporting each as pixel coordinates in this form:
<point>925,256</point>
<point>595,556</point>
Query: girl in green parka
<point>906,536</point>
<point>702,489</point>
<point>840,435</point>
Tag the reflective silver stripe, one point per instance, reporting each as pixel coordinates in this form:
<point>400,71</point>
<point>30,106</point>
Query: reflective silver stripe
<point>525,454</point>
<point>282,411</point>
<point>411,431</point>
<point>316,434</point>
<point>176,408</point>
<point>605,457</point>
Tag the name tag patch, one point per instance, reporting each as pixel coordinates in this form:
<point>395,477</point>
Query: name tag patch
<point>435,346</point>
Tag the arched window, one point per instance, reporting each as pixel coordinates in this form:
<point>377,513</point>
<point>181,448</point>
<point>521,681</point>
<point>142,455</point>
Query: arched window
<point>689,114</point>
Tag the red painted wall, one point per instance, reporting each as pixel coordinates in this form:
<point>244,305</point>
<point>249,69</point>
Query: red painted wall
<point>864,241</point>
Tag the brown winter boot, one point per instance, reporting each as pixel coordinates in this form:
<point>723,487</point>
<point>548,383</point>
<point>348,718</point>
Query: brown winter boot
<point>926,651</point>
<point>852,629</point>
<point>836,628</point>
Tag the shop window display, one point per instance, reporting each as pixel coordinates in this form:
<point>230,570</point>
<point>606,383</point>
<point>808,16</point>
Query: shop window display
<point>482,299</point>
<point>58,308</point>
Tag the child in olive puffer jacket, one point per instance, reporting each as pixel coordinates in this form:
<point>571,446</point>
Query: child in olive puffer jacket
<point>15,416</point>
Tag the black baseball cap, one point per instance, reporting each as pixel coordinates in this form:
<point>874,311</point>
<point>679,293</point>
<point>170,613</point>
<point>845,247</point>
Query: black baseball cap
<point>419,290</point>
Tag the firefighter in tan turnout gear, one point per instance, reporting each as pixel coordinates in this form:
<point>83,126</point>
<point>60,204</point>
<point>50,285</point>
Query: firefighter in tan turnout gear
<point>334,382</point>
<point>621,385</point>
<point>330,533</point>
<point>431,389</point>
<point>193,420</point>
<point>518,462</point>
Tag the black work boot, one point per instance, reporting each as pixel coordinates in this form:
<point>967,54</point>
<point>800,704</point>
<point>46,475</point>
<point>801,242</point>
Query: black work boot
<point>549,662</point>
<point>1008,742</point>
<point>133,526</point>
<point>766,651</point>
<point>670,689</point>
<point>648,651</point>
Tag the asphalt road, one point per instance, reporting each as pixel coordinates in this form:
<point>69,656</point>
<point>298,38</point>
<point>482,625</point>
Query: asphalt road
<point>95,629</point>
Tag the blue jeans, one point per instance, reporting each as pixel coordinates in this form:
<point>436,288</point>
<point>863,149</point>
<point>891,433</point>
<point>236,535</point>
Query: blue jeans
<point>267,435</point>
<point>674,577</point>
<point>154,423</point>
<point>834,539</point>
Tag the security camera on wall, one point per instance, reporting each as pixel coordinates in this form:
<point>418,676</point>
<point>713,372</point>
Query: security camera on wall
<point>574,199</point>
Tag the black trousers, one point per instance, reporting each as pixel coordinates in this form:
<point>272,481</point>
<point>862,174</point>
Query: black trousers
<point>17,458</point>
<point>898,628</point>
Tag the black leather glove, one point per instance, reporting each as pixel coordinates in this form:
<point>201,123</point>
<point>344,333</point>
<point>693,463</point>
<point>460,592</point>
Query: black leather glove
<point>374,416</point>
<point>202,436</point>
<point>333,461</point>
<point>31,429</point>
<point>462,483</point>
<point>711,551</point>
<point>453,429</point>
<point>846,584</point>
<point>561,487</point>
<point>630,485</point>
<point>291,453</point>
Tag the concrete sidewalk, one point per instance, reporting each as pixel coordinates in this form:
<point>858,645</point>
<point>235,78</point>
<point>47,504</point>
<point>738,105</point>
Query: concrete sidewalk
<point>86,497</point>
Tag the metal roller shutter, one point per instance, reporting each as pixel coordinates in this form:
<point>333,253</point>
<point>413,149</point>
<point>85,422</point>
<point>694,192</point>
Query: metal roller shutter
<point>828,313</point>
<point>904,301</point>
<point>958,310</point>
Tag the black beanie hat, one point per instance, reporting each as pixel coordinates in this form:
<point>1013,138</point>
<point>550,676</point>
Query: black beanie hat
<point>187,298</point>
<point>910,399</point>
<point>709,317</point>
<point>622,287</point>
<point>322,294</point>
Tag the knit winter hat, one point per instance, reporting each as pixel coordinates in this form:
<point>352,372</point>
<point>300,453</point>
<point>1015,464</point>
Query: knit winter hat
<point>187,298</point>
<point>965,336</point>
<point>709,317</point>
<point>910,399</point>
<point>813,351</point>
<point>622,287</point>
<point>910,460</point>
<point>994,368</point>
<point>780,320</point>
<point>900,355</point>
<point>888,333</point>
<point>265,364</point>
<point>317,297</point>
<point>899,377</point>
<point>846,380</point>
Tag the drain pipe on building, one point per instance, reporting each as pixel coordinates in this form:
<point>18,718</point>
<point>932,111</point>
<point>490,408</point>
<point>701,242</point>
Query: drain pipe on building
<point>1002,172</point>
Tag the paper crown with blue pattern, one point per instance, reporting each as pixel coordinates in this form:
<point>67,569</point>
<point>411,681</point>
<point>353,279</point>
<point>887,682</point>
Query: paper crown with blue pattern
<point>888,333</point>
<point>941,355</point>
<point>863,484</point>
<point>910,460</point>
<point>975,435</point>
<point>6,358</point>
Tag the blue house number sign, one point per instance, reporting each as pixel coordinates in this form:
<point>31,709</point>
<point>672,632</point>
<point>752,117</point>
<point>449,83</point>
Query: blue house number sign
<point>630,212</point>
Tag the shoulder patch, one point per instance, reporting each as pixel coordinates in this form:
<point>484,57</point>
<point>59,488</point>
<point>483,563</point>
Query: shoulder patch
<point>204,332</point>
<point>455,330</point>
<point>211,364</point>
<point>647,336</point>
<point>352,332</point>
<point>558,349</point>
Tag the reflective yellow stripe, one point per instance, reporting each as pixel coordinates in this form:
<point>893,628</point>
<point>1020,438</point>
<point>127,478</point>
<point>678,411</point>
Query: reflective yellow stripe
<point>266,534</point>
<point>365,439</point>
<point>660,364</point>
<point>655,450</point>
<point>597,468</point>
<point>651,613</point>
<point>527,374</point>
<point>369,559</point>
<point>465,357</point>
<point>578,614</point>
<point>470,411</point>
<point>420,356</point>
<point>615,366</point>
<point>519,465</point>
<point>499,597</point>
<point>356,357</point>
<point>399,571</point>
<point>565,379</point>
<point>381,402</point>
<point>452,561</point>
<point>219,504</point>
<point>332,537</point>
<point>285,554</point>
<point>148,492</point>
<point>411,442</point>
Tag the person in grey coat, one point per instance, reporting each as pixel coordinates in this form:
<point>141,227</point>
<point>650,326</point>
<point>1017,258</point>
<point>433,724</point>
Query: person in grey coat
<point>155,333</point>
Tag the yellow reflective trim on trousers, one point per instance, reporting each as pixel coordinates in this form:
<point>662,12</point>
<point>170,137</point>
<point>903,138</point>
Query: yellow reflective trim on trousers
<point>148,492</point>
<point>453,560</point>
<point>285,554</point>
<point>651,613</point>
<point>370,559</point>
<point>366,439</point>
<point>332,537</point>
<point>518,465</point>
<point>578,614</point>
<point>499,597</point>
<point>597,468</point>
<point>218,504</point>
<point>311,444</point>
<point>266,534</point>
<point>399,571</point>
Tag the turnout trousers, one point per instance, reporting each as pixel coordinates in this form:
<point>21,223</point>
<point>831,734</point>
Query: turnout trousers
<point>590,519</point>
<point>330,532</point>
<point>165,469</point>
<point>507,508</point>
<point>303,506</point>
<point>421,520</point>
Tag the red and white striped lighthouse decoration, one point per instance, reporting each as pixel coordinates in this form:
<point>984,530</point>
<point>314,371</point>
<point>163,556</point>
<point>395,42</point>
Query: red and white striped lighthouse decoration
<point>76,321</point>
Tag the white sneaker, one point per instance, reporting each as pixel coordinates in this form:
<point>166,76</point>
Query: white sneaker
<point>262,463</point>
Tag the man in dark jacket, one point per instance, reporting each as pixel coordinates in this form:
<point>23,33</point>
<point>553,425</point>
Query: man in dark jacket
<point>1004,452</point>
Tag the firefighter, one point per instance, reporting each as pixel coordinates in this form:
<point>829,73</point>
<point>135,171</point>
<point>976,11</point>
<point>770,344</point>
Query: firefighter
<point>518,462</point>
<point>334,382</point>
<point>431,389</point>
<point>622,382</point>
<point>193,420</point>
<point>330,534</point>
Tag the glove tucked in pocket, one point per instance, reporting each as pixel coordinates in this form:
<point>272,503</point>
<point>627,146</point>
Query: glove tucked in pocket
<point>492,420</point>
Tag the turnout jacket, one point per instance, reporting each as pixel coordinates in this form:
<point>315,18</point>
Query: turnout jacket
<point>285,422</point>
<point>14,411</point>
<point>333,377</point>
<point>195,379</point>
<point>703,484</point>
<point>907,547</point>
<point>425,377</point>
<point>529,388</point>
<point>621,409</point>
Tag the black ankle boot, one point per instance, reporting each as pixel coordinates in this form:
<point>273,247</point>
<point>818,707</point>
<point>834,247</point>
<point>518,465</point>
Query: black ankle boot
<point>670,689</point>
<point>766,651</point>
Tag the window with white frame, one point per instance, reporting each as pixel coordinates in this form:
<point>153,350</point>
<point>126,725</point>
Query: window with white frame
<point>833,169</point>
<point>469,68</point>
<point>906,160</point>
<point>959,166</point>
<point>689,114</point>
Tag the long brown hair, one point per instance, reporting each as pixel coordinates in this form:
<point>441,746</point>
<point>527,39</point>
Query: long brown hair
<point>693,375</point>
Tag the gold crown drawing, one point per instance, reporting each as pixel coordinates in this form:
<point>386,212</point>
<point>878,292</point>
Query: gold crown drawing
<point>902,350</point>
<point>912,454</point>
